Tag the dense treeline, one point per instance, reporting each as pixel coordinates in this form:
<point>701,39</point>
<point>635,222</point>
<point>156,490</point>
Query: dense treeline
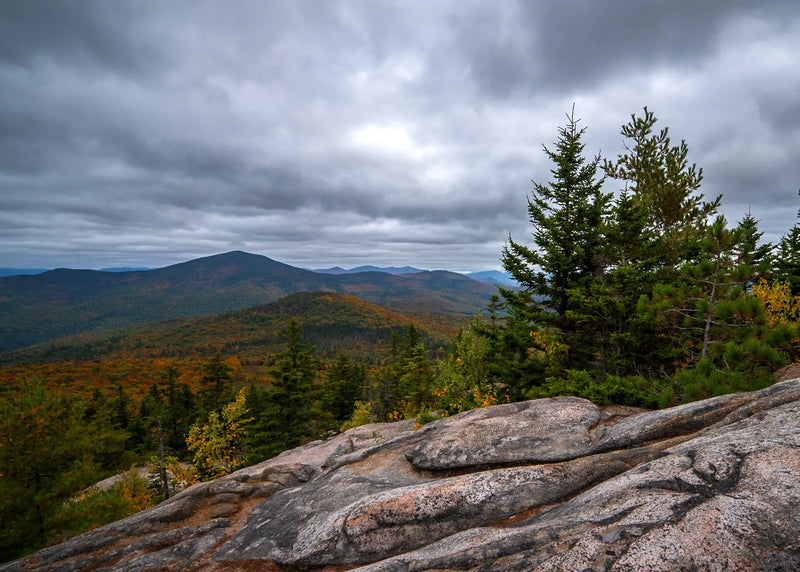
<point>647,295</point>
<point>642,296</point>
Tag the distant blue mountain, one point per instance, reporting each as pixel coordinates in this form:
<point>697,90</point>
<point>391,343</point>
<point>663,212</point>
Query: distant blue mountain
<point>388,270</point>
<point>493,277</point>
<point>32,271</point>
<point>21,271</point>
<point>489,276</point>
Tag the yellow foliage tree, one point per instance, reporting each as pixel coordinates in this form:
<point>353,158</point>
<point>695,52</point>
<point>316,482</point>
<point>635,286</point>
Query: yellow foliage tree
<point>133,489</point>
<point>216,445</point>
<point>781,306</point>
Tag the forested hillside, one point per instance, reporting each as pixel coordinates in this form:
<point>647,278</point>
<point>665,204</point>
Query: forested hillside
<point>333,323</point>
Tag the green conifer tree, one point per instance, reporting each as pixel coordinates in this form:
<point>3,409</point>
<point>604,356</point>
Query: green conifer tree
<point>665,186</point>
<point>216,384</point>
<point>717,329</point>
<point>342,387</point>
<point>566,216</point>
<point>605,310</point>
<point>281,411</point>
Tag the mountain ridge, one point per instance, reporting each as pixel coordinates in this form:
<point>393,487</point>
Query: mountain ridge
<point>334,323</point>
<point>63,302</point>
<point>370,268</point>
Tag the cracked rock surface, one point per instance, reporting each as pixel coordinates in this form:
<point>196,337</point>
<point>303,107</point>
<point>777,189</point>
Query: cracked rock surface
<point>555,484</point>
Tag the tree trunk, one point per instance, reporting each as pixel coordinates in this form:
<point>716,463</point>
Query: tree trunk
<point>710,314</point>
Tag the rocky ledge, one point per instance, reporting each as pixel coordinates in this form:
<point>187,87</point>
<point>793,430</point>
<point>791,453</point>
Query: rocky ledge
<point>552,484</point>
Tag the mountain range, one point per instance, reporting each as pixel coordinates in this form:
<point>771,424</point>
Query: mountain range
<point>388,269</point>
<point>63,302</point>
<point>490,276</point>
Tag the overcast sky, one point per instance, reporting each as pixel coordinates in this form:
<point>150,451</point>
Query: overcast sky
<point>321,133</point>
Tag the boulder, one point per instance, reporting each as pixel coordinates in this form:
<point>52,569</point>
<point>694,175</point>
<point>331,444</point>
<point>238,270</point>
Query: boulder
<point>555,484</point>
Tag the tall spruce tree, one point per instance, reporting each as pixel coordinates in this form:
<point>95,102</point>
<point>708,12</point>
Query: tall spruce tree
<point>342,387</point>
<point>665,187</point>
<point>281,412</point>
<point>566,215</point>
<point>753,257</point>
<point>216,384</point>
<point>180,408</point>
<point>396,388</point>
<point>605,311</point>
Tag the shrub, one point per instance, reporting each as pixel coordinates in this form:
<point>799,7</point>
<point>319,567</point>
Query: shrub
<point>631,390</point>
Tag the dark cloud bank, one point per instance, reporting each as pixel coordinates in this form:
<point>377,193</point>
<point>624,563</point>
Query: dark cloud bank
<point>322,133</point>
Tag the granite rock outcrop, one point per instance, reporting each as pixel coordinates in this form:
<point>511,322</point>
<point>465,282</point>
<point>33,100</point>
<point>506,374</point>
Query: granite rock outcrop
<point>552,484</point>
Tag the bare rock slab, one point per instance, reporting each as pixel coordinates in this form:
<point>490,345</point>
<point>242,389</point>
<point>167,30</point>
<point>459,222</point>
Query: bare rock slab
<point>541,431</point>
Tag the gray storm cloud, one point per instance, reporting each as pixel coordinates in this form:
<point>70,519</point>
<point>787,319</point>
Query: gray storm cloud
<point>345,133</point>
